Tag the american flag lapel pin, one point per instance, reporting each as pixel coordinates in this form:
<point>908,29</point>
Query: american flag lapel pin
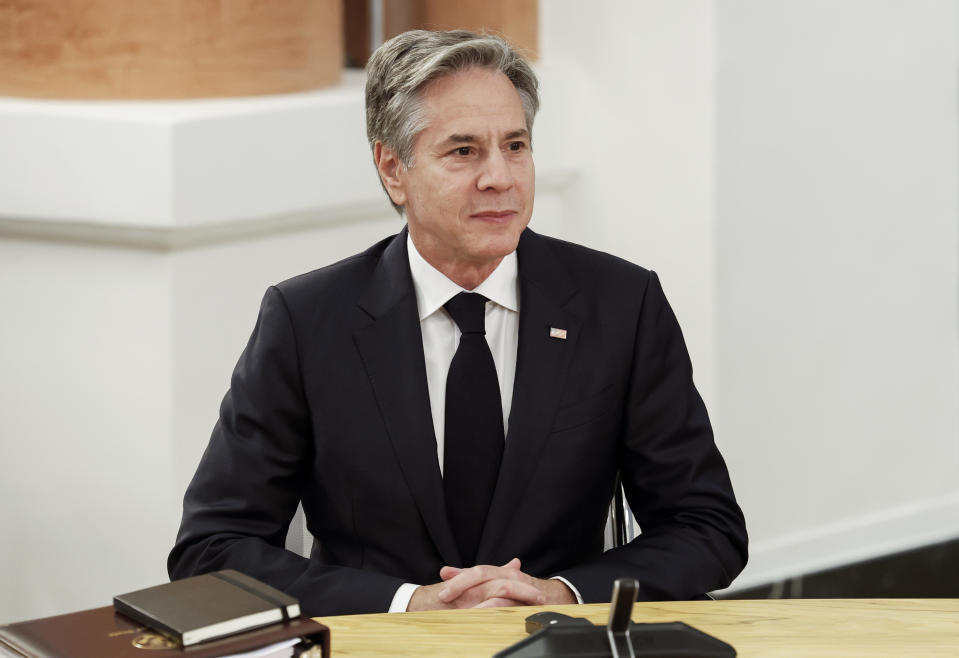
<point>557,333</point>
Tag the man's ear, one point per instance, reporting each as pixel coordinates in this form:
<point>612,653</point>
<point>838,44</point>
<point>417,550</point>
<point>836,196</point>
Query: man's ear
<point>391,171</point>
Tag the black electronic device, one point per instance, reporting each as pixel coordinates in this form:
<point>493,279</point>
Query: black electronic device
<point>554,635</point>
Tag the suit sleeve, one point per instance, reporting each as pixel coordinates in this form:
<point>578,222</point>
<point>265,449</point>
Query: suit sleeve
<point>693,534</point>
<point>239,505</point>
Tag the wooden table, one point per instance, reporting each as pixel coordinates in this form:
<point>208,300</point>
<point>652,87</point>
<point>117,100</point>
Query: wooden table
<point>905,628</point>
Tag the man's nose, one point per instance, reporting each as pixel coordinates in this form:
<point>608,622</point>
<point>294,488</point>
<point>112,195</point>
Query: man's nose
<point>496,173</point>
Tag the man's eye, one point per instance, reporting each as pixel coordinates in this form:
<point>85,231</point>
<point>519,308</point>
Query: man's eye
<point>463,150</point>
<point>517,146</point>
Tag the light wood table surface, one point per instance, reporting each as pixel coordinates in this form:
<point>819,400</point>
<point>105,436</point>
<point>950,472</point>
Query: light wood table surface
<point>906,628</point>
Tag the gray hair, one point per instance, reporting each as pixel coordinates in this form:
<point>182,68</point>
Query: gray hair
<point>401,67</point>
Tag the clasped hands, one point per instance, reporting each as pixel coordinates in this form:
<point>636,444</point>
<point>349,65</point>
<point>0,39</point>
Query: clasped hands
<point>488,586</point>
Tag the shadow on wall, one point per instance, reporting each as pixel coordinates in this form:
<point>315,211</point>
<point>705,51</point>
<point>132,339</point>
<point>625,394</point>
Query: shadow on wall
<point>927,572</point>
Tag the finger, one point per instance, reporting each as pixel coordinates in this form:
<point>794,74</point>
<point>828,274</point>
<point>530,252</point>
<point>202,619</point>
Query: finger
<point>498,603</point>
<point>469,578</point>
<point>522,592</point>
<point>449,572</point>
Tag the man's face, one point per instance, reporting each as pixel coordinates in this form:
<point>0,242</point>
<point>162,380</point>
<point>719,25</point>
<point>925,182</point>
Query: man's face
<point>469,193</point>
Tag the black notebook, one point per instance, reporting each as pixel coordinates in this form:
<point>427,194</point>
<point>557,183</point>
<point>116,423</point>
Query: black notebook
<point>208,607</point>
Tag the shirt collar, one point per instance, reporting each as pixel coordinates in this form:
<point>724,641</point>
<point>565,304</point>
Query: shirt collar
<point>433,288</point>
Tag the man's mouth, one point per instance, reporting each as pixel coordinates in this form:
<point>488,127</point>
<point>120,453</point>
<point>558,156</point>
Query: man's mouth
<point>494,215</point>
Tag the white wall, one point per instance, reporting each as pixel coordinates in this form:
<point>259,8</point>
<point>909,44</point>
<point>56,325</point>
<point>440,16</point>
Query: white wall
<point>837,216</point>
<point>86,411</point>
<point>788,168</point>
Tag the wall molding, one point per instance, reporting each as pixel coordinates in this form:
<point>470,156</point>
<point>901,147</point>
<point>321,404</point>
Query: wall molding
<point>177,237</point>
<point>173,238</point>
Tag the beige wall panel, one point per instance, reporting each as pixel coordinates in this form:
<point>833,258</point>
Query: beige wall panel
<point>401,15</point>
<point>356,23</point>
<point>515,20</point>
<point>167,48</point>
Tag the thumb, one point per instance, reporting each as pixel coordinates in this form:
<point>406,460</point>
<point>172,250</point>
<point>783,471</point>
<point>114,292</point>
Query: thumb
<point>448,572</point>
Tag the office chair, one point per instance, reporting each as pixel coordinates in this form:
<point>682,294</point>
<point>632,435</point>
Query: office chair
<point>298,538</point>
<point>621,527</point>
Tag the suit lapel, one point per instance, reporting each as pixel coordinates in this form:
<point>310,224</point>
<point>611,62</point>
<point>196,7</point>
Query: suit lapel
<point>391,347</point>
<point>545,294</point>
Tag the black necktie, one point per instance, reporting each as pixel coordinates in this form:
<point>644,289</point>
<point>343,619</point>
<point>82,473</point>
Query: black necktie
<point>474,426</point>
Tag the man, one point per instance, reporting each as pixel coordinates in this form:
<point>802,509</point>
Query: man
<point>453,405</point>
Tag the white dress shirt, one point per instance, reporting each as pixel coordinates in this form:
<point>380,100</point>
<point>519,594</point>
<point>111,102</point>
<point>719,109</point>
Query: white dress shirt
<point>441,337</point>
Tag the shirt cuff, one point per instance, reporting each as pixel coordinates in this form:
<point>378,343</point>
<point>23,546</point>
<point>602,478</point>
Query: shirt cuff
<point>579,597</point>
<point>401,600</point>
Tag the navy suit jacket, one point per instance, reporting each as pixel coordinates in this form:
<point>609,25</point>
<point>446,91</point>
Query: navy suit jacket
<point>328,404</point>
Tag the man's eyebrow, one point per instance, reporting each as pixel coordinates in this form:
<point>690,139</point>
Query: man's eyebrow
<point>460,139</point>
<point>471,139</point>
